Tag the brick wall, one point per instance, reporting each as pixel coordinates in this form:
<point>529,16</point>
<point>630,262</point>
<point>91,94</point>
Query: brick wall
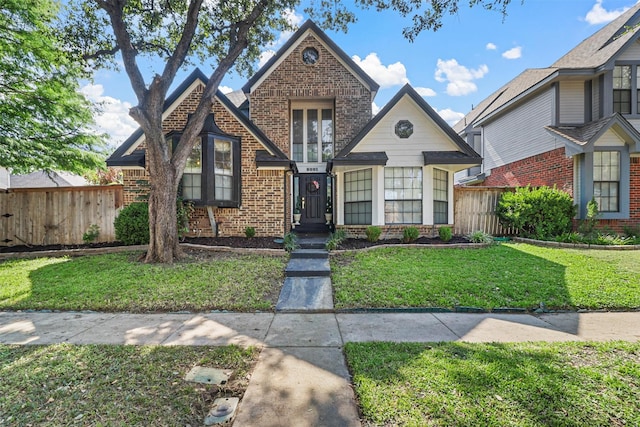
<point>328,79</point>
<point>263,192</point>
<point>550,168</point>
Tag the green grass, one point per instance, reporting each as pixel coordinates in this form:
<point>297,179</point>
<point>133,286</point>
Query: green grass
<point>524,384</point>
<point>113,385</point>
<point>507,275</point>
<point>118,282</point>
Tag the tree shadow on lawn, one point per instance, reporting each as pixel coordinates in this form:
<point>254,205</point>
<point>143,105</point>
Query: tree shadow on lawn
<point>492,384</point>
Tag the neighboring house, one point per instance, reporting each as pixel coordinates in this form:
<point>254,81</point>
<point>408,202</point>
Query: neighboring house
<point>573,125</point>
<point>301,134</point>
<point>40,179</point>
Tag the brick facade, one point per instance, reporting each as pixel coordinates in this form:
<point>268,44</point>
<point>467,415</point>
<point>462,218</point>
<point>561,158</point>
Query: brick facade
<point>262,192</point>
<point>550,168</point>
<point>292,80</point>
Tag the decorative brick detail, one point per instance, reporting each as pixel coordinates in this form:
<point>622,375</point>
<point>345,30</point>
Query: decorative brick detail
<point>292,80</point>
<point>550,168</point>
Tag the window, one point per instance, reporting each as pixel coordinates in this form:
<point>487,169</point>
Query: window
<point>440,196</point>
<point>606,180</point>
<point>622,89</point>
<point>403,195</point>
<point>192,176</point>
<point>312,134</point>
<point>223,170</point>
<point>357,196</point>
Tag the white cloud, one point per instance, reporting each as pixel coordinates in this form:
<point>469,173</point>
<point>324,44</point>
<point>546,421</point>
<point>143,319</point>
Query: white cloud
<point>292,18</point>
<point>513,53</point>
<point>374,108</point>
<point>386,76</point>
<point>491,46</point>
<point>225,89</point>
<point>265,57</point>
<point>425,91</point>
<point>450,116</point>
<point>599,15</point>
<point>113,117</point>
<point>459,78</point>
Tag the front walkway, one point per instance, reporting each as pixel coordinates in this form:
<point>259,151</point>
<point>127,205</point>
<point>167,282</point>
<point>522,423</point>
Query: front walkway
<point>301,378</point>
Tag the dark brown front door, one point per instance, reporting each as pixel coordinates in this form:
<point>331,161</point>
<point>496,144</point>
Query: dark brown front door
<point>313,193</point>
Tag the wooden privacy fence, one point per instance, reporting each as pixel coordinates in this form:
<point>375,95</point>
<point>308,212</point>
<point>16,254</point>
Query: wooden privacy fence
<point>475,209</point>
<point>50,216</point>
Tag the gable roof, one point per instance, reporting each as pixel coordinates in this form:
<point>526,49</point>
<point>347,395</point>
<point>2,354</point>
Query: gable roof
<point>581,139</point>
<point>126,155</point>
<point>310,26</point>
<point>466,154</point>
<point>592,55</point>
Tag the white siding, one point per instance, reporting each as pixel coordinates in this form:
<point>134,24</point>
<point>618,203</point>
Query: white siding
<point>609,139</point>
<point>632,53</point>
<point>520,133</point>
<point>572,102</point>
<point>427,136</point>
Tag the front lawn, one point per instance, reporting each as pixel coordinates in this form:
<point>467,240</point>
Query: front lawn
<point>118,282</point>
<point>506,275</point>
<point>101,385</point>
<point>523,384</point>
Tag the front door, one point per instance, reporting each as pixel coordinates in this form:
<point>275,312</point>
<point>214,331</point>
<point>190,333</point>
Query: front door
<point>313,197</point>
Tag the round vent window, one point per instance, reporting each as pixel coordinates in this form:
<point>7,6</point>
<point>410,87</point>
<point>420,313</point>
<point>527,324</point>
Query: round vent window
<point>404,129</point>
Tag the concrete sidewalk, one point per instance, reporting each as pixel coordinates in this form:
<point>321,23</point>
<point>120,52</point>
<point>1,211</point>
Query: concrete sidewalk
<point>301,378</point>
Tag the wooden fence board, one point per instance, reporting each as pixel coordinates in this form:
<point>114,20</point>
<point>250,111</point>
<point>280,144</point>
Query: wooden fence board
<point>475,209</point>
<point>49,216</point>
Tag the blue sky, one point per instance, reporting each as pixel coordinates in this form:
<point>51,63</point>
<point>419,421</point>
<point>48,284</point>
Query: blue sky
<point>473,54</point>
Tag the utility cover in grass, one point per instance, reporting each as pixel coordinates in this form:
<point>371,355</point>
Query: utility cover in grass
<point>200,374</point>
<point>222,412</point>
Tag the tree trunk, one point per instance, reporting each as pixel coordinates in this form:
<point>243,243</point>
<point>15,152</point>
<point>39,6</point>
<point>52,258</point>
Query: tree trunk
<point>163,230</point>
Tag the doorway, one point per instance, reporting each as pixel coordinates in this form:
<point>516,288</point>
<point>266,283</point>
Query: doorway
<point>312,197</point>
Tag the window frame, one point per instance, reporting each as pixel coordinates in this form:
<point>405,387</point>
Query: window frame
<point>391,203</point>
<point>208,186</point>
<point>359,202</point>
<point>319,107</point>
<point>607,182</point>
<point>437,192</point>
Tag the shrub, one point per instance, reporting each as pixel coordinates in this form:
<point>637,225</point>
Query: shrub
<point>631,230</point>
<point>250,232</point>
<point>91,234</point>
<point>183,215</point>
<point>480,236</point>
<point>410,234</point>
<point>373,233</point>
<point>290,242</point>
<point>445,233</point>
<point>132,224</point>
<point>588,225</point>
<point>538,213</point>
<point>335,239</point>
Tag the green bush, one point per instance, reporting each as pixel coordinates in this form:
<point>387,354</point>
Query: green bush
<point>335,239</point>
<point>480,236</point>
<point>91,234</point>
<point>132,224</point>
<point>290,242</point>
<point>540,213</point>
<point>250,232</point>
<point>410,234</point>
<point>373,233</point>
<point>445,233</point>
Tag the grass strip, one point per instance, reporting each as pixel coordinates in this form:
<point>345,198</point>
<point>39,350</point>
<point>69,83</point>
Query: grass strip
<point>100,385</point>
<point>119,282</point>
<point>506,275</point>
<point>523,384</point>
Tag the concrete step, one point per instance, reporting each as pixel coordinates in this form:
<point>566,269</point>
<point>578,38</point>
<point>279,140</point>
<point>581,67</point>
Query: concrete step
<point>310,253</point>
<point>312,242</point>
<point>305,267</point>
<point>306,294</point>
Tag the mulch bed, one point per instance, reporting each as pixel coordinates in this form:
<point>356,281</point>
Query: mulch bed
<point>239,242</point>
